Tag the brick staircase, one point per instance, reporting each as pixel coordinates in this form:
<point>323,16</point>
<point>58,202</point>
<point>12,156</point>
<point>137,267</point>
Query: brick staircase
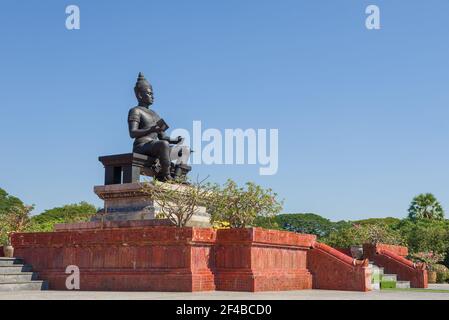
<point>14,276</point>
<point>380,280</point>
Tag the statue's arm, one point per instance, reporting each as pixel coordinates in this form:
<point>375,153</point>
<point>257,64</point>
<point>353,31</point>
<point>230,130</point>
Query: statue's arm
<point>163,136</point>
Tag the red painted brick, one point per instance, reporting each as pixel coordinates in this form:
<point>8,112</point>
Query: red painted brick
<point>261,260</point>
<point>156,258</point>
<point>134,259</point>
<point>334,270</point>
<point>160,258</point>
<point>387,257</point>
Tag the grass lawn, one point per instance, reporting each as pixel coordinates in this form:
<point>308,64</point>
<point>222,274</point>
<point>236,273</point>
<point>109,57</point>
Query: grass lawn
<point>417,290</point>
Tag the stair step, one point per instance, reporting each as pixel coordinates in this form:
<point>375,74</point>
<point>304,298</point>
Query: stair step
<point>375,286</point>
<point>389,277</point>
<point>15,268</point>
<point>403,284</point>
<point>10,261</point>
<point>375,267</point>
<point>18,277</point>
<point>27,285</point>
<point>388,284</point>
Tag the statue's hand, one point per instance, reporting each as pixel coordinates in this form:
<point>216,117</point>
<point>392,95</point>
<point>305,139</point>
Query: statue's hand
<point>155,129</point>
<point>178,140</point>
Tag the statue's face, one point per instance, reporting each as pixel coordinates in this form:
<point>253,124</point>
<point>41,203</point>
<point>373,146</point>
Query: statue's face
<point>146,96</point>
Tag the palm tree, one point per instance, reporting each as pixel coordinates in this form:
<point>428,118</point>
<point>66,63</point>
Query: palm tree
<point>425,206</point>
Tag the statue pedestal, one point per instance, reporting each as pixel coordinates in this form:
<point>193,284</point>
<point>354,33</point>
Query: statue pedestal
<point>128,202</point>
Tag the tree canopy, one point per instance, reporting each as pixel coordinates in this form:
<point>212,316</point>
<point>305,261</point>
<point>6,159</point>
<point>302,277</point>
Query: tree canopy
<point>425,206</point>
<point>306,223</point>
<point>78,212</point>
<point>8,202</point>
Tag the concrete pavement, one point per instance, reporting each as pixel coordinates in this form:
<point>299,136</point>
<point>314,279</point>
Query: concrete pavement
<point>223,295</point>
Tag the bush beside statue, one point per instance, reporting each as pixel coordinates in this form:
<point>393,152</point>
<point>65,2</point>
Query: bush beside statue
<point>240,207</point>
<point>228,205</point>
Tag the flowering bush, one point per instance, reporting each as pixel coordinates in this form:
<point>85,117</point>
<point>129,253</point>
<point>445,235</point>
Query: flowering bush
<point>177,201</point>
<point>358,234</point>
<point>240,206</point>
<point>442,273</point>
<point>16,219</point>
<point>430,258</point>
<point>220,225</point>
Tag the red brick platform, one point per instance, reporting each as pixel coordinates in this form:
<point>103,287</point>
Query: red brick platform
<point>262,260</point>
<point>140,257</point>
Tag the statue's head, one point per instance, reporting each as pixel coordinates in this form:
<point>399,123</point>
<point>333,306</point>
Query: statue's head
<point>143,91</point>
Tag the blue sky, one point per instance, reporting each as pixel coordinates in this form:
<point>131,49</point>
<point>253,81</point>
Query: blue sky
<point>362,115</point>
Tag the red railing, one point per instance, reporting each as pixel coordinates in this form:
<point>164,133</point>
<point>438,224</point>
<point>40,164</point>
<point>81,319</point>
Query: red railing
<point>334,270</point>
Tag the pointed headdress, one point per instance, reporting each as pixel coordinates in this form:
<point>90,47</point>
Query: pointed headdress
<point>142,83</point>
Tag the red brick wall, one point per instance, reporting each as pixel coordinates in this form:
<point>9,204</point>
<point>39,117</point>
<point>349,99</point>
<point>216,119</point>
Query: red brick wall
<point>145,259</point>
<point>334,270</point>
<point>262,260</point>
<point>170,259</point>
<point>1,251</point>
<point>158,258</point>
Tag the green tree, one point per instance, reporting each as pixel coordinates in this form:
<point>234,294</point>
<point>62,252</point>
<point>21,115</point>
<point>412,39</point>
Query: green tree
<point>17,219</point>
<point>388,221</point>
<point>178,202</point>
<point>306,223</point>
<point>267,223</point>
<point>14,215</point>
<point>357,234</point>
<point>425,206</point>
<point>240,206</point>
<point>7,202</point>
<point>425,235</point>
<point>80,212</point>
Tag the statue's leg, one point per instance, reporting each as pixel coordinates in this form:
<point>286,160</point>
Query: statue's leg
<point>161,149</point>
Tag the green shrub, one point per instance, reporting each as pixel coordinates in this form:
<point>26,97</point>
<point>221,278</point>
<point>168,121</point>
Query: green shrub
<point>80,212</point>
<point>16,219</point>
<point>359,234</point>
<point>308,223</point>
<point>240,206</point>
<point>442,272</point>
<point>14,216</point>
<point>389,221</point>
<point>425,235</point>
<point>267,223</point>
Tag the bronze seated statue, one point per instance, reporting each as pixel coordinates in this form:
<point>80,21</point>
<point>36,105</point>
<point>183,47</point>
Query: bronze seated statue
<point>147,128</point>
<point>154,153</point>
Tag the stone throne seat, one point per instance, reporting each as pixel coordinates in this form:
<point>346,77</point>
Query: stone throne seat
<point>127,167</point>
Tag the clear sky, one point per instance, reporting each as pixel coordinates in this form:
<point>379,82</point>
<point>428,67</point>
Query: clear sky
<point>363,116</point>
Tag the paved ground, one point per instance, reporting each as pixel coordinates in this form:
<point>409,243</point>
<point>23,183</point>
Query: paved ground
<point>221,295</point>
